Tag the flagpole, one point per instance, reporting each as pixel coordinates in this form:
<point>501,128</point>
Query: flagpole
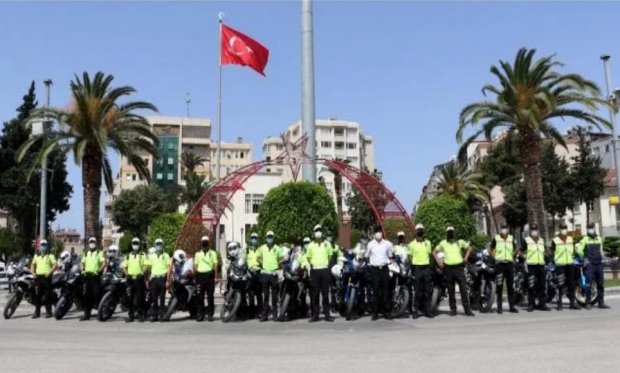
<point>219,125</point>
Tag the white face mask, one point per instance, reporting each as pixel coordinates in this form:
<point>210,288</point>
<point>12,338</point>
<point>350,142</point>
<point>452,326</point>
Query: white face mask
<point>591,232</point>
<point>92,245</point>
<point>378,236</point>
<point>535,234</point>
<point>563,232</point>
<point>135,246</point>
<point>318,235</point>
<point>503,231</point>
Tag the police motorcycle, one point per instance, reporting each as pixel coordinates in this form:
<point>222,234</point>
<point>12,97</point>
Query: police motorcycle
<point>292,295</point>
<point>520,280</point>
<point>22,283</point>
<point>402,279</point>
<point>440,289</point>
<point>237,284</point>
<point>582,284</point>
<point>480,275</point>
<point>70,285</point>
<point>113,286</point>
<point>349,273</point>
<point>183,289</point>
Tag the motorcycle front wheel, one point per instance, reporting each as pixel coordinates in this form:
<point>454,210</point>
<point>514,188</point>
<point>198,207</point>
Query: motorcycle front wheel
<point>351,303</point>
<point>106,307</point>
<point>62,307</point>
<point>230,307</point>
<point>283,307</point>
<point>580,294</point>
<point>400,301</point>
<point>435,300</point>
<point>172,306</point>
<point>12,304</point>
<point>487,295</point>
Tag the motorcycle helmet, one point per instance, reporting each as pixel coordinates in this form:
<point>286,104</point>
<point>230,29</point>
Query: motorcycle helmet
<point>179,256</point>
<point>112,252</point>
<point>336,271</point>
<point>232,249</point>
<point>65,257</point>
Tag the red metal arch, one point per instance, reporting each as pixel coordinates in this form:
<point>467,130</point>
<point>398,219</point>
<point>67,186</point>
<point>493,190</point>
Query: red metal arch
<point>206,213</point>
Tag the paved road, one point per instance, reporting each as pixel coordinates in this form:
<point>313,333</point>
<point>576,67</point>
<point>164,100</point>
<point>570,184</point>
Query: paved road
<point>567,341</point>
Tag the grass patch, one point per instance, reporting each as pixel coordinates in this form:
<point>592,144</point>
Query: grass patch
<point>612,282</point>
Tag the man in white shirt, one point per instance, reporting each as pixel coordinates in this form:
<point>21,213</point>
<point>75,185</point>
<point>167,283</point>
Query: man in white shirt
<point>379,254</point>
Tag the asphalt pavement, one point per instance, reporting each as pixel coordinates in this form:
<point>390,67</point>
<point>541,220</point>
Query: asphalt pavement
<point>567,341</point>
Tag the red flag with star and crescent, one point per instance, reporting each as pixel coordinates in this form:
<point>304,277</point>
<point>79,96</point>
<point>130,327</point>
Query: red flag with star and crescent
<point>240,49</point>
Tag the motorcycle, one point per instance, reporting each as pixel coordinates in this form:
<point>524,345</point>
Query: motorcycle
<point>237,287</point>
<point>440,288</point>
<point>401,274</point>
<point>520,281</point>
<point>184,295</point>
<point>292,290</point>
<point>70,291</point>
<point>114,292</point>
<point>22,283</point>
<point>349,277</point>
<point>480,276</point>
<point>580,288</point>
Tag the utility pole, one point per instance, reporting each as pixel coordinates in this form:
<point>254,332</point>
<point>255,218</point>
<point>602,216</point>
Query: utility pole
<point>612,120</point>
<point>307,88</point>
<point>43,212</point>
<point>188,100</point>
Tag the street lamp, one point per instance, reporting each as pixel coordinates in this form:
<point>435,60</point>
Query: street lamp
<point>614,100</point>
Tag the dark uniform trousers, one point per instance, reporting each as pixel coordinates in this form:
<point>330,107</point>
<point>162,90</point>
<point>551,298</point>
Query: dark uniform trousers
<point>536,278</point>
<point>206,283</point>
<point>566,282</point>
<point>423,288</point>
<point>319,283</point>
<point>92,289</point>
<point>505,272</point>
<point>136,294</point>
<point>380,289</point>
<point>455,274</point>
<point>43,290</point>
<point>158,295</point>
<point>269,283</point>
<point>255,296</point>
<point>594,274</point>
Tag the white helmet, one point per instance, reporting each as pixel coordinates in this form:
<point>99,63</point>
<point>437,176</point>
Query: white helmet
<point>65,257</point>
<point>179,256</point>
<point>112,251</point>
<point>336,271</point>
<point>233,249</point>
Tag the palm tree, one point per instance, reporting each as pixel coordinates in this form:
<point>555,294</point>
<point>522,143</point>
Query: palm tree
<point>191,160</point>
<point>456,181</point>
<point>194,188</point>
<point>529,96</point>
<point>94,122</point>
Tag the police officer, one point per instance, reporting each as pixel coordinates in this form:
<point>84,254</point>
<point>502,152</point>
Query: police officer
<point>454,268</point>
<point>591,251</point>
<point>158,263</point>
<point>133,268</point>
<point>205,268</point>
<point>43,266</point>
<point>420,253</point>
<point>379,254</point>
<point>93,263</point>
<point>318,256</point>
<point>535,258</point>
<point>255,292</point>
<point>270,259</point>
<point>503,250</point>
<point>563,251</point>
<point>336,257</point>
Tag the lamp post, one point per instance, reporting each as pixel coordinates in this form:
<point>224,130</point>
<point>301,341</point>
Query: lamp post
<point>43,212</point>
<point>614,100</point>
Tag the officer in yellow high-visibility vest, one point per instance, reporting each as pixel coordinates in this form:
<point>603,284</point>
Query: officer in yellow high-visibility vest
<point>534,247</point>
<point>133,267</point>
<point>158,264</point>
<point>255,294</point>
<point>205,268</point>
<point>503,249</point>
<point>563,251</point>
<point>420,255</point>
<point>43,266</point>
<point>270,258</point>
<point>318,256</point>
<point>454,264</point>
<point>93,264</point>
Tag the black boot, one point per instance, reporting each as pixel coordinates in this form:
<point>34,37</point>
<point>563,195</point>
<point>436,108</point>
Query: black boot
<point>37,313</point>
<point>601,302</point>
<point>559,306</point>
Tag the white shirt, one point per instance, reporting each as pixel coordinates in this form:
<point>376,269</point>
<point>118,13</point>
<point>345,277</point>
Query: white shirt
<point>379,252</point>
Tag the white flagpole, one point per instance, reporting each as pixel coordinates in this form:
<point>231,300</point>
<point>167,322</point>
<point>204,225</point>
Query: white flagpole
<point>219,125</point>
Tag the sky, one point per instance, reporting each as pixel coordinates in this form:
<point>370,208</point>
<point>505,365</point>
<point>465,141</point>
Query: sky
<point>403,70</point>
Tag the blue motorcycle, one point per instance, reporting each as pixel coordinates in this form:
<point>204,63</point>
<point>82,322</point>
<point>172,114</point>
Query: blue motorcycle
<point>582,284</point>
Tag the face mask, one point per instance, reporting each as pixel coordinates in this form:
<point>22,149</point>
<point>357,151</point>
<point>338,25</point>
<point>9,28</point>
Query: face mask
<point>420,233</point>
<point>329,239</point>
<point>92,245</point>
<point>563,232</point>
<point>401,239</point>
<point>269,240</point>
<point>43,249</point>
<point>503,231</point>
<point>205,245</point>
<point>450,235</point>
<point>305,246</point>
<point>534,234</point>
<point>159,248</point>
<point>318,235</point>
<point>135,246</point>
<point>253,241</point>
<point>378,236</point>
<point>591,232</point>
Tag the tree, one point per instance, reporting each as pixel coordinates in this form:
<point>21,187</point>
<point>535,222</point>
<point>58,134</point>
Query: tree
<point>587,174</point>
<point>10,244</point>
<point>190,160</point>
<point>558,188</point>
<point>167,227</point>
<point>19,193</point>
<point>362,217</point>
<point>133,210</point>
<point>438,213</point>
<point>530,95</point>
<point>515,205</point>
<point>95,121</point>
<point>292,210</point>
<point>501,165</point>
<point>195,187</point>
<point>458,182</point>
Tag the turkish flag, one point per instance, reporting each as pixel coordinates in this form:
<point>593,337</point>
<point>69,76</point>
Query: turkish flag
<point>240,49</point>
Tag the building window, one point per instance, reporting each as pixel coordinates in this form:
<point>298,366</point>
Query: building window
<point>171,146</point>
<point>339,145</point>
<point>339,131</point>
<point>351,145</point>
<point>170,176</point>
<point>160,176</point>
<point>257,200</point>
<point>607,148</point>
<point>326,144</point>
<point>248,203</point>
<point>140,177</point>
<point>170,161</point>
<point>242,155</point>
<point>268,170</point>
<point>325,131</point>
<point>146,161</point>
<point>133,177</point>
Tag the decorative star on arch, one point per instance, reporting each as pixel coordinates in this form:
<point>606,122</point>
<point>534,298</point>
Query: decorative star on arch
<point>294,153</point>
